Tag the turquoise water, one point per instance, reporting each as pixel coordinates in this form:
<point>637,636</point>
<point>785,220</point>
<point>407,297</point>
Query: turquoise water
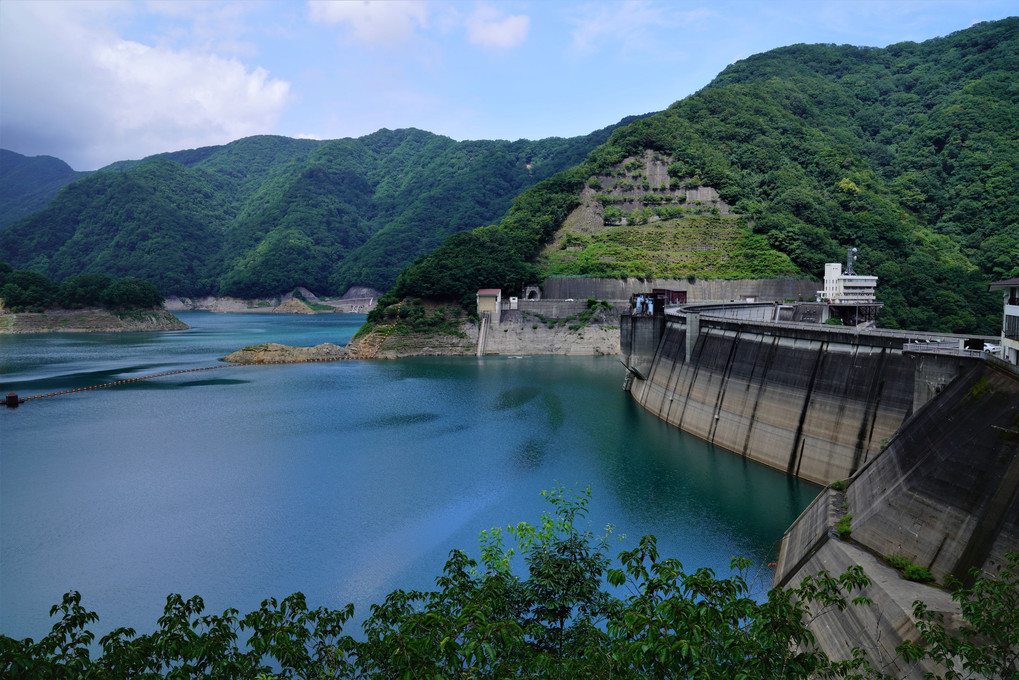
<point>341,480</point>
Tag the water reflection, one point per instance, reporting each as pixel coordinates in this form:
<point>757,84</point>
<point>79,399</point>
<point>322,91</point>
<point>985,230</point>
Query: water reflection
<point>341,480</point>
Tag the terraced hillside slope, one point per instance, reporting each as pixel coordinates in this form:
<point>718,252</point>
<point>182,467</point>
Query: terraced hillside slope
<point>639,219</point>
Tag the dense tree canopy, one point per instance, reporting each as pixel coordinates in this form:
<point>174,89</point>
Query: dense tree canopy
<point>28,184</point>
<point>27,291</point>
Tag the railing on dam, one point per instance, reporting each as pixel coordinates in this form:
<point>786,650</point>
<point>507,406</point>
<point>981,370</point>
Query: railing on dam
<point>748,311</point>
<point>942,349</point>
<point>745,315</point>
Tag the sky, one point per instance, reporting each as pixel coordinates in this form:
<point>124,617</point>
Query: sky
<point>93,82</point>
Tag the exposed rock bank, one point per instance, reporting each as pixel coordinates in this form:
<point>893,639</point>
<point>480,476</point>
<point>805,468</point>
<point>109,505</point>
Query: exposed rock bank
<point>91,321</point>
<point>357,300</point>
<point>503,339</point>
<point>221,305</point>
<point>274,353</point>
<point>383,343</point>
<point>293,306</point>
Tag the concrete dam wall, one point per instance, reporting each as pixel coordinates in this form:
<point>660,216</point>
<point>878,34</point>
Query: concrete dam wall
<point>959,457</point>
<point>944,494</point>
<point>927,441</point>
<point>815,402</point>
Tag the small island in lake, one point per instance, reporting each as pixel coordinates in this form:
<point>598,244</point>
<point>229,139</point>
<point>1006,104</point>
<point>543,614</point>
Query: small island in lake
<point>275,353</point>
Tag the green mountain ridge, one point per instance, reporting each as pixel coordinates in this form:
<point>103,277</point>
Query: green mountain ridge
<point>910,153</point>
<point>265,214</point>
<point>27,184</point>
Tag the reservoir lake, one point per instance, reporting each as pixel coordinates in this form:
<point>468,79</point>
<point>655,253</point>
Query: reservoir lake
<point>342,480</point>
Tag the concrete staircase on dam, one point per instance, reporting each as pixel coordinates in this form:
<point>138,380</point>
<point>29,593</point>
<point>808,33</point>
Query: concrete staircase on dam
<point>483,331</point>
<point>943,494</point>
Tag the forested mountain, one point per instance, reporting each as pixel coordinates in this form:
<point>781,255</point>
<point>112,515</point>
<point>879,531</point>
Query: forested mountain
<point>263,215</point>
<point>910,153</point>
<point>28,183</point>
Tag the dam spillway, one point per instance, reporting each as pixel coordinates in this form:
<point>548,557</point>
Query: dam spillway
<point>815,401</point>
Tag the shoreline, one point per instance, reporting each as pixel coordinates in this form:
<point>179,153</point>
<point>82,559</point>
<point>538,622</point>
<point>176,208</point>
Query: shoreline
<point>90,321</point>
<point>308,303</point>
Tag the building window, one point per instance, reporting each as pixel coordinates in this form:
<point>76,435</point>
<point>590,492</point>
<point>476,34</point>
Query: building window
<point>1012,327</point>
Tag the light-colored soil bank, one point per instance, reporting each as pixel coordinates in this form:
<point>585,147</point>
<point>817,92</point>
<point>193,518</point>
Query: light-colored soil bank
<point>91,321</point>
<point>274,353</point>
<point>356,301</point>
<point>228,305</point>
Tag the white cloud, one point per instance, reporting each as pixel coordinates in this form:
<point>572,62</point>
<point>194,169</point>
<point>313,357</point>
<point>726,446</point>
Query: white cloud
<point>635,27</point>
<point>488,27</point>
<point>220,27</point>
<point>385,23</point>
<point>72,87</point>
<point>200,94</point>
<point>392,23</point>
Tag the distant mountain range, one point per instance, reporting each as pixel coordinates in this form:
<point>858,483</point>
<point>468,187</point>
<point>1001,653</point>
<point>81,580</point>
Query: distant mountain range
<point>264,214</point>
<point>909,152</point>
<point>28,184</point>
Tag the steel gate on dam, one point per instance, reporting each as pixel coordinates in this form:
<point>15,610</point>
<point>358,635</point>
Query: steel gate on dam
<point>815,401</point>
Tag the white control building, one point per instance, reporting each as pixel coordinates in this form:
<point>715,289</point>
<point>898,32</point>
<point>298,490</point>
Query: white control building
<point>848,288</point>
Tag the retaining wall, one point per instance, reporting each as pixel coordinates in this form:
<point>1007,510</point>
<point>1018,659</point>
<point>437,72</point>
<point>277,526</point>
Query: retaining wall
<point>553,308</point>
<point>581,288</point>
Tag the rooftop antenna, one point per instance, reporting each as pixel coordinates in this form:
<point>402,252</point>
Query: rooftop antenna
<point>850,259</point>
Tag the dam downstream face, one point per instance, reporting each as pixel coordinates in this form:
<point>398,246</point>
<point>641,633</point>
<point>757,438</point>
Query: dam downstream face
<point>341,480</point>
